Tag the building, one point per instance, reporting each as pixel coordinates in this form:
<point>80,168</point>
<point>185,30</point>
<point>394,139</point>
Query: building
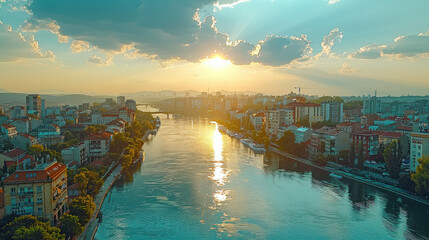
<point>43,109</point>
<point>312,111</point>
<point>419,148</point>
<point>120,101</point>
<point>24,141</point>
<point>335,142</point>
<point>284,128</point>
<point>22,125</point>
<point>8,131</point>
<point>46,130</point>
<point>371,104</point>
<point>332,111</point>
<point>369,141</point>
<point>2,210</point>
<point>257,120</point>
<point>41,191</point>
<point>275,118</point>
<point>131,104</point>
<point>34,104</point>
<point>97,145</point>
<point>77,153</point>
<point>17,112</point>
<point>302,134</point>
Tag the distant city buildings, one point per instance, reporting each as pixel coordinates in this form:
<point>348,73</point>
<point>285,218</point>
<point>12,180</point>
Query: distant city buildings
<point>131,104</point>
<point>34,104</point>
<point>371,104</point>
<point>332,111</point>
<point>120,101</point>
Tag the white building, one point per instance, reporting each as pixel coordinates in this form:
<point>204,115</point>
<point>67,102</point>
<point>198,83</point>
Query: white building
<point>97,145</point>
<point>419,148</point>
<point>332,111</point>
<point>76,153</point>
<point>257,120</point>
<point>302,134</point>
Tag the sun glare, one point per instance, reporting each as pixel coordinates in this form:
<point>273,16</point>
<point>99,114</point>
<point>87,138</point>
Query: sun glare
<point>216,62</point>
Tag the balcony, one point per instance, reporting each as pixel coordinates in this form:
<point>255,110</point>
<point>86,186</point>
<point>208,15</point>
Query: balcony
<point>26,192</point>
<point>22,204</point>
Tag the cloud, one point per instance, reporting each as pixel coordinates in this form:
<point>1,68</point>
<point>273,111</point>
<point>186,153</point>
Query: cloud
<point>347,69</point>
<point>328,41</point>
<point>100,61</point>
<point>411,46</point>
<point>163,31</point>
<point>35,25</point>
<point>14,46</point>
<point>333,1</point>
<point>277,51</point>
<point>78,46</point>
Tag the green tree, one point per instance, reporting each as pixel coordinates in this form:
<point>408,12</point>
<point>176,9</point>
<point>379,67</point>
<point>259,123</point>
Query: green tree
<point>321,160</point>
<point>83,208</point>
<point>81,180</point>
<point>421,176</point>
<point>70,226</point>
<point>126,161</point>
<point>89,182</point>
<point>36,150</point>
<point>304,121</point>
<point>287,142</point>
<point>392,157</point>
<point>30,227</point>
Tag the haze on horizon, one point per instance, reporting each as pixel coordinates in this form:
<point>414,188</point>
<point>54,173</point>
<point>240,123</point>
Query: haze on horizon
<point>327,47</point>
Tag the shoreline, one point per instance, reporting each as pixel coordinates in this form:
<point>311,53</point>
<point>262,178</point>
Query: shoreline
<point>92,226</point>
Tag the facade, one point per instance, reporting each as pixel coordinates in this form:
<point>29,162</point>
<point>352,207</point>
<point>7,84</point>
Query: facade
<point>17,112</point>
<point>34,104</point>
<point>97,145</point>
<point>22,125</point>
<point>302,134</point>
<point>333,111</point>
<point>335,142</point>
<point>41,191</point>
<point>131,104</point>
<point>24,141</point>
<point>303,110</point>
<point>369,141</point>
<point>419,148</point>
<point>46,130</point>
<point>284,128</point>
<point>371,104</point>
<point>120,101</point>
<point>275,118</point>
<point>8,131</point>
<point>257,120</point>
<point>77,153</point>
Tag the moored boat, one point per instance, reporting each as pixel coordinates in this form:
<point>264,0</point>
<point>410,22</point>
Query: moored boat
<point>257,148</point>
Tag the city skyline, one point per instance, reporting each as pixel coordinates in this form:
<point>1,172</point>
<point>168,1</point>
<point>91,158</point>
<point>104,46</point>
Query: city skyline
<point>233,45</point>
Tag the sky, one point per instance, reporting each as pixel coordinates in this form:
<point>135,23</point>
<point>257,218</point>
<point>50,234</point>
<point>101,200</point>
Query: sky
<point>325,47</point>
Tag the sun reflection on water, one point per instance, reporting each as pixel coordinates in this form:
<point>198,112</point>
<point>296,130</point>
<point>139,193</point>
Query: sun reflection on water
<point>219,175</point>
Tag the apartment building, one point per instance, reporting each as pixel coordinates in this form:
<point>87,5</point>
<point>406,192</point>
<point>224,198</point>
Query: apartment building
<point>419,148</point>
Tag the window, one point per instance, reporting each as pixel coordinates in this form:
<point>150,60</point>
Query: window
<point>39,199</point>
<point>39,189</point>
<point>12,190</point>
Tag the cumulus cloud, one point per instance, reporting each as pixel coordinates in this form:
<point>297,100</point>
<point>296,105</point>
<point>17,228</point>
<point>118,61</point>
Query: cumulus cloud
<point>276,50</point>
<point>328,41</point>
<point>410,46</point>
<point>78,46</point>
<point>347,69</point>
<point>100,61</point>
<point>14,46</point>
<point>164,30</point>
<point>35,25</point>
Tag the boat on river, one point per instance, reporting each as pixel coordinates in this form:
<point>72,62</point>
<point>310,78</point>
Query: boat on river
<point>246,142</point>
<point>334,175</point>
<point>257,148</point>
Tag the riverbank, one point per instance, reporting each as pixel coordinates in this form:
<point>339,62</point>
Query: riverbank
<point>374,183</point>
<point>109,179</point>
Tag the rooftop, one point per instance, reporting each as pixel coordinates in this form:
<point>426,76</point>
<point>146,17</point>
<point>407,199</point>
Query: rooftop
<point>43,172</point>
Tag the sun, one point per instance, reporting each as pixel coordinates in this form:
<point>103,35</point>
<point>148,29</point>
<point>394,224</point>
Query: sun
<point>216,62</point>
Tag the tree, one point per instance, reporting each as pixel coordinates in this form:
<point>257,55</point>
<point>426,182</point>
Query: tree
<point>36,150</point>
<point>421,176</point>
<point>89,182</point>
<point>344,156</point>
<point>321,160</point>
<point>83,208</point>
<point>126,161</point>
<point>30,227</point>
<point>361,159</point>
<point>70,226</point>
<point>305,122</point>
<point>392,157</point>
<point>287,142</point>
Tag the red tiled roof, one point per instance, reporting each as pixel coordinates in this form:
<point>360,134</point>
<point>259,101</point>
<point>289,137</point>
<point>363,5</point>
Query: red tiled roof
<point>26,135</point>
<point>390,134</point>
<point>100,136</point>
<point>109,115</point>
<point>7,126</point>
<point>52,172</point>
<point>364,133</point>
<point>404,128</point>
<point>259,115</point>
<point>20,160</point>
<point>73,187</point>
<point>14,153</point>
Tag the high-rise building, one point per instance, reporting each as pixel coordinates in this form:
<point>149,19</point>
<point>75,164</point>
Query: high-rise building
<point>41,191</point>
<point>419,148</point>
<point>121,101</point>
<point>371,104</point>
<point>332,111</point>
<point>43,109</point>
<point>131,104</point>
<point>34,104</point>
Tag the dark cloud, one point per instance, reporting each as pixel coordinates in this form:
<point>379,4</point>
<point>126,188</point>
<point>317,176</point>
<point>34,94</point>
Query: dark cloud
<point>167,29</point>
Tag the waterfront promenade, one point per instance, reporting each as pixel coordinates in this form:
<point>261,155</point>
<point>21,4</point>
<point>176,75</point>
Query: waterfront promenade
<point>371,182</point>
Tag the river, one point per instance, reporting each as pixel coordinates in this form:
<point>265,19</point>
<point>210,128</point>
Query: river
<point>196,183</point>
